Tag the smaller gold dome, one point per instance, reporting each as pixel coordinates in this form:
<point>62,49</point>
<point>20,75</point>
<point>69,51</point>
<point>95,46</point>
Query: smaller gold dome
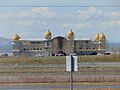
<point>97,37</point>
<point>48,34</point>
<point>15,37</point>
<point>102,37</point>
<point>70,34</point>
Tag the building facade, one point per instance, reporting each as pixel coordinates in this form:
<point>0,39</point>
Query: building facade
<point>58,45</point>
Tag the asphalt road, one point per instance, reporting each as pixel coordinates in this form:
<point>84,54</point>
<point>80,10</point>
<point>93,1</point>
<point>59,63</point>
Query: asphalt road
<point>82,64</point>
<point>56,87</point>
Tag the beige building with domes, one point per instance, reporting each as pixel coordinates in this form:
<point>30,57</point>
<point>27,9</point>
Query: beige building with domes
<point>59,45</point>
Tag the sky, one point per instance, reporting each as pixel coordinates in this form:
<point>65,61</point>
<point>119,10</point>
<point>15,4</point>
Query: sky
<point>32,18</point>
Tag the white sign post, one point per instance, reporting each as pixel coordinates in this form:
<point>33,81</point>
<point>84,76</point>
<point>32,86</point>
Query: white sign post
<point>71,66</point>
<point>71,63</point>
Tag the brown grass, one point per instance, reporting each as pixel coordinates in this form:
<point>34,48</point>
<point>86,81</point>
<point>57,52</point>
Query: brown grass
<point>90,89</point>
<point>57,60</point>
<point>103,58</point>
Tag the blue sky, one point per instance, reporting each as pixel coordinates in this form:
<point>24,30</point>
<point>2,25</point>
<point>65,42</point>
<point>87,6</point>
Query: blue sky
<point>32,22</point>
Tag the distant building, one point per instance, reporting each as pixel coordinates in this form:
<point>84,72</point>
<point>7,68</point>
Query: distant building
<point>58,45</point>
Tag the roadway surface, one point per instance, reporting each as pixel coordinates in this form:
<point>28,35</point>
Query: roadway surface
<point>56,87</point>
<point>82,64</point>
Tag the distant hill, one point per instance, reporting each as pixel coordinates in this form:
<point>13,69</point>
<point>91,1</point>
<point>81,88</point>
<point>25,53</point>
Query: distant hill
<point>5,41</point>
<point>113,45</point>
<point>5,45</point>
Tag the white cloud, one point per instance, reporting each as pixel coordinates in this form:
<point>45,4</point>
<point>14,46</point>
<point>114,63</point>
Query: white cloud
<point>33,19</point>
<point>66,26</point>
<point>38,12</point>
<point>108,25</point>
<point>7,15</point>
<point>116,14</point>
<point>82,25</point>
<point>27,18</point>
<point>91,12</point>
<point>113,14</point>
<point>119,22</point>
<point>25,23</point>
<point>104,20</point>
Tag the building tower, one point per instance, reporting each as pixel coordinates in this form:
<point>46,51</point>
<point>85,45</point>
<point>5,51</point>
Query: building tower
<point>48,35</point>
<point>16,45</point>
<point>101,39</point>
<point>48,43</point>
<point>97,37</point>
<point>70,42</point>
<point>97,43</point>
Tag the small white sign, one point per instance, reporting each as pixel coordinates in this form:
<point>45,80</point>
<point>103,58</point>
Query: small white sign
<point>71,63</point>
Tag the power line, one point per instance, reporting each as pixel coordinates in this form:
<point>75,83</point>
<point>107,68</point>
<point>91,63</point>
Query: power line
<point>59,6</point>
<point>67,21</point>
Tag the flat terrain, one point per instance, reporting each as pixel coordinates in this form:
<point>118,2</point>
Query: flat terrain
<point>51,71</point>
<point>58,59</point>
<point>60,86</point>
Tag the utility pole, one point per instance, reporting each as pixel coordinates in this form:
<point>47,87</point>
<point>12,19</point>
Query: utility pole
<point>71,80</point>
<point>71,72</point>
<point>71,66</point>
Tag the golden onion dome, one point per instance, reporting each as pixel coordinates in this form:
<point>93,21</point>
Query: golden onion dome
<point>15,37</point>
<point>97,37</point>
<point>102,37</point>
<point>70,34</point>
<point>48,34</point>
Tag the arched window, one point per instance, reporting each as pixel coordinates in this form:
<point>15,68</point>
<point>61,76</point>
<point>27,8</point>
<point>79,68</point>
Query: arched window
<point>24,48</point>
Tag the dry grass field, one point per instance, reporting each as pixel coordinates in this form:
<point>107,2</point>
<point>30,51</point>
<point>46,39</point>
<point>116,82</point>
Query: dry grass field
<point>90,89</point>
<point>27,69</point>
<point>58,59</point>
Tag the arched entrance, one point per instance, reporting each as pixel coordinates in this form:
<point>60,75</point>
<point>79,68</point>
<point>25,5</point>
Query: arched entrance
<point>59,45</point>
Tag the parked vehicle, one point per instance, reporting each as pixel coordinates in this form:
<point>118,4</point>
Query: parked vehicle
<point>107,53</point>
